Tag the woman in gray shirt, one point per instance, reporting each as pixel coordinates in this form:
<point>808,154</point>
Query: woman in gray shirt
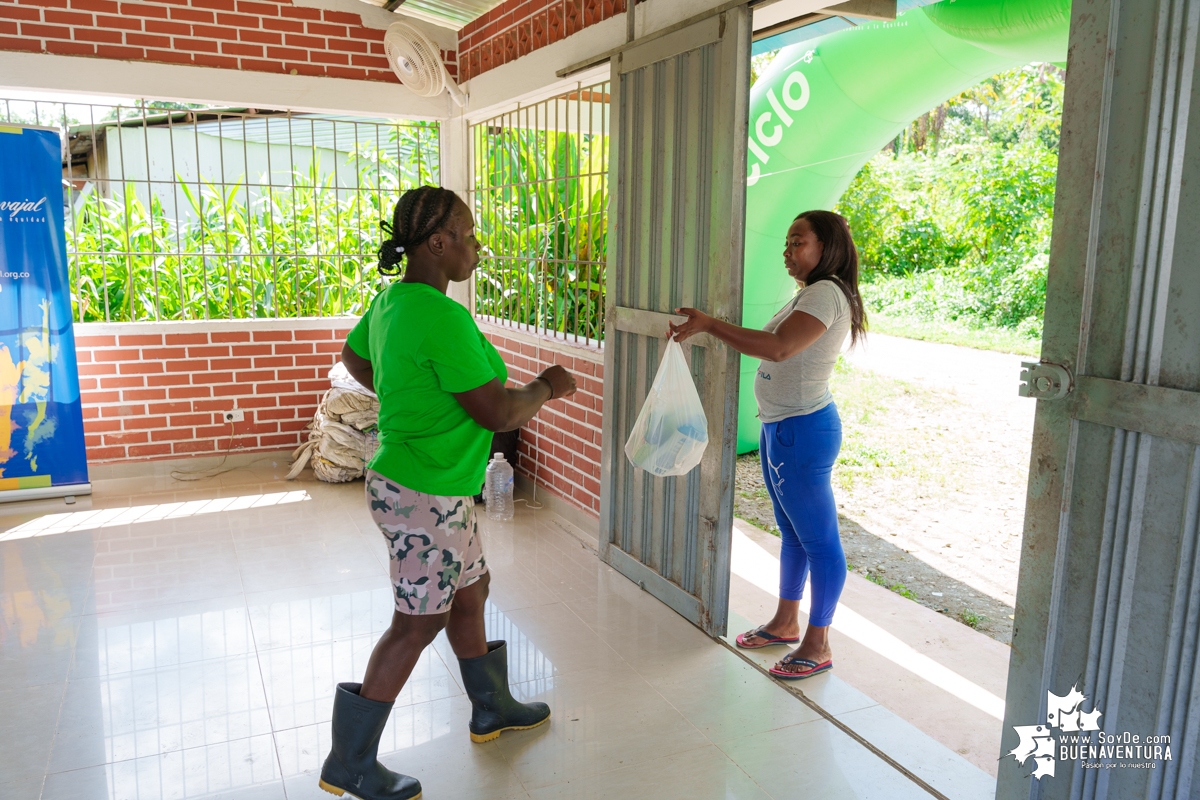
<point>801,432</point>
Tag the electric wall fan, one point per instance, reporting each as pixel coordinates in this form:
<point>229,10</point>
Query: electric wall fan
<point>417,62</point>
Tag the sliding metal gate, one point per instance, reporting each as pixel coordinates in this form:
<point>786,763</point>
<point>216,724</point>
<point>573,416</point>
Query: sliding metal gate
<point>680,104</point>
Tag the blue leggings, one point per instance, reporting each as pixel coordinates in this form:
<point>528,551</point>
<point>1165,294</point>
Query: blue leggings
<point>797,459</point>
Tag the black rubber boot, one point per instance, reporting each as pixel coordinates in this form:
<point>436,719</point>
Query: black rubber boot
<point>493,709</point>
<point>352,766</point>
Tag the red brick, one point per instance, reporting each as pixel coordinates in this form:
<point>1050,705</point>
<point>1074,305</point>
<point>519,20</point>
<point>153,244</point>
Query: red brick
<point>230,363</point>
<point>145,450</point>
<point>183,420</point>
<point>242,49</point>
<point>251,350</point>
<point>329,347</point>
<point>299,374</point>
<point>187,338</point>
<point>170,408</point>
<point>148,40</point>
<point>98,6</point>
<point>295,424</point>
<point>126,438</point>
<point>258,9</point>
<point>326,57</point>
<point>321,360</point>
<point>40,31</point>
<point>285,25</point>
<point>95,454</point>
<point>261,37</point>
<point>274,336</point>
<point>192,15</point>
<point>237,20</point>
<point>194,447</point>
<point>172,434</point>
<point>140,367</point>
<point>169,379</point>
<point>143,10</point>
<point>267,401</point>
<point>210,60</point>
<point>189,391</point>
<point>211,431</point>
<point>348,45</point>
<point>285,439</point>
<point>135,395</point>
<point>278,388</point>
<point>95,341</point>
<point>276,413</point>
<point>342,18</point>
<point>211,378</point>
<point>255,375</point>
<point>211,351</point>
<point>97,369</point>
<point>97,426</point>
<point>122,382</point>
<point>297,12</point>
<point>304,42</point>
<point>171,29</point>
<point>230,390</point>
<point>225,337</point>
<point>120,23</point>
<point>164,353</point>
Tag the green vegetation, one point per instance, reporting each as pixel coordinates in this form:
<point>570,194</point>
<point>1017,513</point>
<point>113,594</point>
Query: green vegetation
<point>953,219</point>
<point>895,586</point>
<point>970,618</point>
<point>305,250</point>
<point>541,200</point>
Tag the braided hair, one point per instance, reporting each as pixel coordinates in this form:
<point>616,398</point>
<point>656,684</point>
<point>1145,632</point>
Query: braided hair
<point>419,214</point>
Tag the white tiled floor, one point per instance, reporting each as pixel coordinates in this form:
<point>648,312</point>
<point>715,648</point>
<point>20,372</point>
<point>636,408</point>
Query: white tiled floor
<point>189,647</point>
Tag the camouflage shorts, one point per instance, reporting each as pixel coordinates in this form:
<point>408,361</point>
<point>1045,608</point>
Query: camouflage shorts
<point>434,544</point>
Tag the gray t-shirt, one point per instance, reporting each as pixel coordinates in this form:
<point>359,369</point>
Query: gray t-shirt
<point>800,385</point>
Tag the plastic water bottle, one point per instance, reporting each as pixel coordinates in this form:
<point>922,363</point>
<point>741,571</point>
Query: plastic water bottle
<point>498,494</point>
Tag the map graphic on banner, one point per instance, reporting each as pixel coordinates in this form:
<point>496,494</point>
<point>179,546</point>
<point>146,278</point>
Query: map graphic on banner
<point>41,415</point>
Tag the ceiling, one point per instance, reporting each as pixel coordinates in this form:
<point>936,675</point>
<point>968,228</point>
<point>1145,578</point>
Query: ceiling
<point>447,13</point>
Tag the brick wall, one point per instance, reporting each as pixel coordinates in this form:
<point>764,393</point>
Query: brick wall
<point>260,36</point>
<point>518,27</point>
<point>560,447</point>
<point>159,390</point>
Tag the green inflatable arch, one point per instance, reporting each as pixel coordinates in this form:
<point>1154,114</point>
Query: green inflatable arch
<point>826,106</point>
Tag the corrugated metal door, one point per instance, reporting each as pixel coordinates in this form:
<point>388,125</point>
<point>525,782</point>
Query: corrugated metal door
<point>680,104</point>
<point>1109,593</point>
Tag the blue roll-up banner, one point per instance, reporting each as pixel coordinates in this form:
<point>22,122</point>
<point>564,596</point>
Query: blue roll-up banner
<point>42,452</point>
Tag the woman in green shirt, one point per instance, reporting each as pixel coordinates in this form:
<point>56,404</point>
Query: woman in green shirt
<point>441,388</point>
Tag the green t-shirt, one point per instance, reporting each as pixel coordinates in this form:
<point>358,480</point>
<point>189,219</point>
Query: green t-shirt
<point>424,348</point>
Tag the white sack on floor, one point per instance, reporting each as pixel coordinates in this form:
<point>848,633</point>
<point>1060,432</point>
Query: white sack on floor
<point>343,435</point>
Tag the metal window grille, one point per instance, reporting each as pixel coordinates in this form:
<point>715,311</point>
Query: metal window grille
<point>180,213</point>
<point>540,193</point>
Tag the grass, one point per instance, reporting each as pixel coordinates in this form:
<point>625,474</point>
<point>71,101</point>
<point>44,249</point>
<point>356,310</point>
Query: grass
<point>865,455</point>
<point>1002,340</point>
<point>970,618</point>
<point>894,586</point>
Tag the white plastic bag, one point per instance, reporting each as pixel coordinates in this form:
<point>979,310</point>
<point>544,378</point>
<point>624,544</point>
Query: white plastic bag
<point>671,431</point>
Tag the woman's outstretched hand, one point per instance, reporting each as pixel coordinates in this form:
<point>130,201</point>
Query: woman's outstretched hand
<point>561,381</point>
<point>697,322</point>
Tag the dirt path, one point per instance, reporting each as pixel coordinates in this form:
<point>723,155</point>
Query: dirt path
<point>931,478</point>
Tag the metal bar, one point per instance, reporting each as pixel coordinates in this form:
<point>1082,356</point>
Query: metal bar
<point>1155,410</point>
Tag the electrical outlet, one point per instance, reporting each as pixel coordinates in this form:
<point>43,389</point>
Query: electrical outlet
<point>237,415</point>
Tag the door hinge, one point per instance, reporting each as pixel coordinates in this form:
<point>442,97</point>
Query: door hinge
<point>1044,381</point>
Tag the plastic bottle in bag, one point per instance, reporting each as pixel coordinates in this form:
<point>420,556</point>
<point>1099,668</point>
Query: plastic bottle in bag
<point>498,489</point>
<point>671,431</point>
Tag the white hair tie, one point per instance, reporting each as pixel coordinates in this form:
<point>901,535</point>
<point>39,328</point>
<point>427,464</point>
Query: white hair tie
<point>399,249</point>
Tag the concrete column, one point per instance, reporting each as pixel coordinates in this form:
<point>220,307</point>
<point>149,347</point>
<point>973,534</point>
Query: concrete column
<point>455,169</point>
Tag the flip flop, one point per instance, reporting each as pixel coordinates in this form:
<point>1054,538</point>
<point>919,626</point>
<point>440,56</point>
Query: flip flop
<point>762,633</point>
<point>813,668</point>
